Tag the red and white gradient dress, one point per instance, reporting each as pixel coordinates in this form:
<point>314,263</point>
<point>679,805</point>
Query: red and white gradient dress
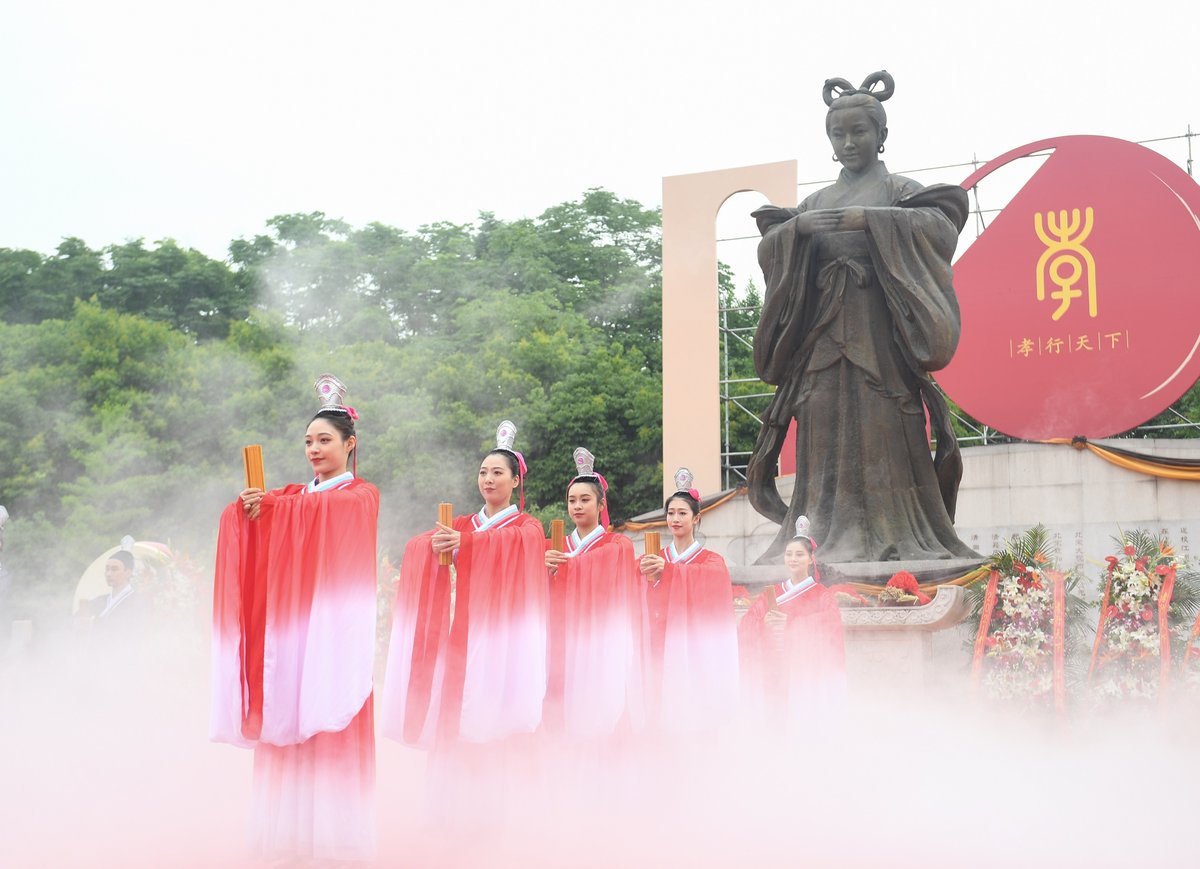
<point>293,654</point>
<point>694,642</point>
<point>597,636</point>
<point>468,663</point>
<point>805,683</point>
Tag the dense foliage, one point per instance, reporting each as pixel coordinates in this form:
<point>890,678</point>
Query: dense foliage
<point>133,375</point>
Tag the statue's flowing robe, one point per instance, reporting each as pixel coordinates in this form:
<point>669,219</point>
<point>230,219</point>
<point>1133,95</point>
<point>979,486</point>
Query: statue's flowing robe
<point>293,665</point>
<point>852,323</point>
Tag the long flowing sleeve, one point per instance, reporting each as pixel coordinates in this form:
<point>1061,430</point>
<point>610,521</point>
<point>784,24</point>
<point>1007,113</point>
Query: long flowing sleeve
<point>473,668</point>
<point>604,632</point>
<point>756,659</point>
<point>419,641</point>
<point>911,247</point>
<point>815,655</point>
<point>695,645</point>
<point>294,615</point>
<point>784,323</point>
<point>504,671</point>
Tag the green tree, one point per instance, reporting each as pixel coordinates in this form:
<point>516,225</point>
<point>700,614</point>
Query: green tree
<point>34,288</point>
<point>198,295</point>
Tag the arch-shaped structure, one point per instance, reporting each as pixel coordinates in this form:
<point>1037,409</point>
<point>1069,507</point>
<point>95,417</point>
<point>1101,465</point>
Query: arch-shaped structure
<point>691,364</point>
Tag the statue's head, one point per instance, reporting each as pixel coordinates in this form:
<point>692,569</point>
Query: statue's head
<point>857,113</point>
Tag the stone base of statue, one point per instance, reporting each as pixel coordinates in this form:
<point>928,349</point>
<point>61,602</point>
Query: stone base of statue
<point>890,649</point>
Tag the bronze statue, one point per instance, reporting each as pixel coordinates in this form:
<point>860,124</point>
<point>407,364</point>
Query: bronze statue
<point>859,308</point>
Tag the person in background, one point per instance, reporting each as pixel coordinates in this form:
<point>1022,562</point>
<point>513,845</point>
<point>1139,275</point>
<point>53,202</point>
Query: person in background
<point>125,607</point>
<point>805,680</point>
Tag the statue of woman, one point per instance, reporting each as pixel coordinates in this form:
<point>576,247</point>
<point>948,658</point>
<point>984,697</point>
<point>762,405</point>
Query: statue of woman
<point>859,308</point>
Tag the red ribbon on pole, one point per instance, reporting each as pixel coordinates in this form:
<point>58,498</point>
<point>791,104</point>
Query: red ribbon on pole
<point>985,622</point>
<point>1164,632</point>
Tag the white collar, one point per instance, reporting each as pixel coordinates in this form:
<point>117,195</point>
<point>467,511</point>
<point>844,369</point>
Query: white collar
<point>578,544</point>
<point>331,483</point>
<point>676,555</point>
<point>795,589</point>
<point>114,600</point>
<point>485,521</point>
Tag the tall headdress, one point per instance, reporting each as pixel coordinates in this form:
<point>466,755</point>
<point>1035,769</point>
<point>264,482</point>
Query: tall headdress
<point>804,531</point>
<point>803,527</point>
<point>585,471</point>
<point>506,436</point>
<point>683,484</point>
<point>331,394</point>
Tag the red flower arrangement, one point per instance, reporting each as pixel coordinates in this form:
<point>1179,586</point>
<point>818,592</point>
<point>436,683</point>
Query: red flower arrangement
<point>1131,656</point>
<point>1020,641</point>
<point>903,588</point>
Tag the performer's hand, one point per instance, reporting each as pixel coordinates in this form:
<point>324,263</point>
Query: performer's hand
<point>554,558</point>
<point>821,220</point>
<point>854,217</point>
<point>446,539</point>
<point>651,566</point>
<point>251,500</point>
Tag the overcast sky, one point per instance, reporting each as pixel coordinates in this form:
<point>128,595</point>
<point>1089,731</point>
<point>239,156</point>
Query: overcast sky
<point>198,122</point>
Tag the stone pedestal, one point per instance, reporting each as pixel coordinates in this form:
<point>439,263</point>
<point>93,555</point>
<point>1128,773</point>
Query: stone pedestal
<point>890,649</point>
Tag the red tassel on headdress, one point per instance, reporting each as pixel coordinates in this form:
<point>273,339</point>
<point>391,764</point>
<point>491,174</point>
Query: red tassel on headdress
<point>524,469</point>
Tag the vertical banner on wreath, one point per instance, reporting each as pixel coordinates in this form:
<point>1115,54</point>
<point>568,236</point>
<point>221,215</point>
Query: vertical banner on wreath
<point>985,624</point>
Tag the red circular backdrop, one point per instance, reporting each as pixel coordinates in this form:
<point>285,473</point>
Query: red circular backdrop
<point>1115,337</point>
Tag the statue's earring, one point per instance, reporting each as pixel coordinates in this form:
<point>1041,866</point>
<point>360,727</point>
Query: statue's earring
<point>881,147</point>
<point>835,159</point>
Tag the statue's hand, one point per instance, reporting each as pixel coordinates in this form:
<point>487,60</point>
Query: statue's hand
<point>815,222</point>
<point>854,217</point>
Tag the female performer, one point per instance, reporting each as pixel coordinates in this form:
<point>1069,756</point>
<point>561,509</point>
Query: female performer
<point>693,634</point>
<point>858,309</point>
<point>467,661</point>
<point>597,608</point>
<point>294,647</point>
<point>809,680</point>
